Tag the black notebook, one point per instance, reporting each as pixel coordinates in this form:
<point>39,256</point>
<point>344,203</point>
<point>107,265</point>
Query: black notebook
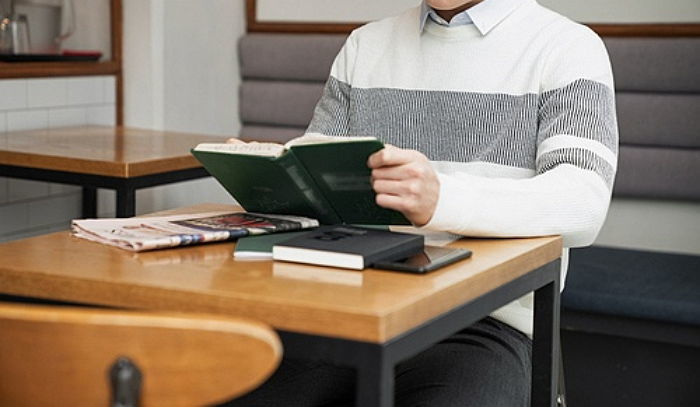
<point>348,246</point>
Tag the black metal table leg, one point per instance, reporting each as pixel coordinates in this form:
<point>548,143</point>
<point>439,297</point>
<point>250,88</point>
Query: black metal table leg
<point>89,205</point>
<point>545,344</point>
<point>375,379</point>
<point>126,202</point>
<point>375,362</point>
<point>125,187</point>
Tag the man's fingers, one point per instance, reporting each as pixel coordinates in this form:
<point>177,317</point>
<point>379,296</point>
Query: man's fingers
<point>405,181</point>
<point>390,156</point>
<point>384,186</point>
<point>400,172</point>
<point>389,201</point>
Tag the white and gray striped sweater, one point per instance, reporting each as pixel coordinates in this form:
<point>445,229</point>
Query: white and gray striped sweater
<point>519,122</point>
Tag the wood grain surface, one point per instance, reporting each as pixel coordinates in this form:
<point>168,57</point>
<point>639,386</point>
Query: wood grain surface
<point>102,150</point>
<point>370,305</point>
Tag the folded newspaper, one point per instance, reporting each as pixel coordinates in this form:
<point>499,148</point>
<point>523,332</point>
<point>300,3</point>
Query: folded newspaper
<point>140,234</point>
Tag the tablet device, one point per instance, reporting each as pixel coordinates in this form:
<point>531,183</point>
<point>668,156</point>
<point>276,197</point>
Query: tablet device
<point>432,258</point>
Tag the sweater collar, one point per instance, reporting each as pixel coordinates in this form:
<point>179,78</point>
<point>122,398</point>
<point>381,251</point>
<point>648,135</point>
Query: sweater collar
<point>484,15</point>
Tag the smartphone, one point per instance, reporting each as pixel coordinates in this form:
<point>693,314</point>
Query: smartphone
<point>432,258</point>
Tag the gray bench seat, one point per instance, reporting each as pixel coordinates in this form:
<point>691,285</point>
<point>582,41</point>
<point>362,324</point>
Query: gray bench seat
<point>631,318</point>
<point>635,284</point>
<point>631,328</point>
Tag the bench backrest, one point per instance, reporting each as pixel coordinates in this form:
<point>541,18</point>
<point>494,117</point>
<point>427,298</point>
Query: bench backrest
<point>283,78</point>
<point>657,83</point>
<point>658,103</point>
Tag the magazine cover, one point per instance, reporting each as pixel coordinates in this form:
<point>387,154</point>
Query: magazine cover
<point>140,234</point>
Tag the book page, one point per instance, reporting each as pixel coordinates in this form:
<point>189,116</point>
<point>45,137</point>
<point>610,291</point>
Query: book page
<point>252,148</point>
<point>274,149</point>
<point>317,138</point>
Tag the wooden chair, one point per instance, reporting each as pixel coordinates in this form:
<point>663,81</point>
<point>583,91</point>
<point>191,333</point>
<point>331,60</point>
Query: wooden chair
<point>68,356</point>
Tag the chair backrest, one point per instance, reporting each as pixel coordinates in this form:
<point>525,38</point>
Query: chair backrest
<point>657,88</point>
<point>61,356</point>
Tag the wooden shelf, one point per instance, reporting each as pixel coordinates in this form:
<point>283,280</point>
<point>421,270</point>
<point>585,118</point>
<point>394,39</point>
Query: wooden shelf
<point>49,69</point>
<point>58,69</point>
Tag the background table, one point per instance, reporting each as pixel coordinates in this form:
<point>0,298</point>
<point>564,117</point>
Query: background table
<point>118,158</point>
<point>369,320</point>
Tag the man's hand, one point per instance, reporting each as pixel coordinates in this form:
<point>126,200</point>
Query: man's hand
<point>405,181</point>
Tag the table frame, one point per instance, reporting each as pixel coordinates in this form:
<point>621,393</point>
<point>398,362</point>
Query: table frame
<point>375,362</point>
<point>125,187</point>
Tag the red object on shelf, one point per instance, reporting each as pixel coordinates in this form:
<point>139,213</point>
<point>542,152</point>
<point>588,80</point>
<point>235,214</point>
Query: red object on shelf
<point>81,53</point>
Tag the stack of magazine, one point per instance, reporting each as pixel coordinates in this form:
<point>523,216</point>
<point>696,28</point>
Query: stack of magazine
<point>140,234</point>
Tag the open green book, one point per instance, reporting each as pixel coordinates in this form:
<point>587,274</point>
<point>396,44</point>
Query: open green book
<point>321,177</point>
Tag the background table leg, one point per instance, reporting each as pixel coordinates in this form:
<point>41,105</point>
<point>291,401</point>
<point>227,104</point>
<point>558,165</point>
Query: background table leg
<point>89,205</point>
<point>126,202</point>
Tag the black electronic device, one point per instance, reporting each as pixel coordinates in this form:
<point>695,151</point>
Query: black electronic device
<point>432,258</point>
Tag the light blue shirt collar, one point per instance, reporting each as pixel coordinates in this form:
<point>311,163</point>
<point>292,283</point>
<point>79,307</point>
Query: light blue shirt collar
<point>484,15</point>
<point>462,18</point>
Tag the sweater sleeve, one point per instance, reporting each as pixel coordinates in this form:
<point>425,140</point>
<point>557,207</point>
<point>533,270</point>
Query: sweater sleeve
<point>575,165</point>
<point>331,115</point>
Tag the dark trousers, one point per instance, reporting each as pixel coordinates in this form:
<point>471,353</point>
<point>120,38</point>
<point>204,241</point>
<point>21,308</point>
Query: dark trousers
<point>485,365</point>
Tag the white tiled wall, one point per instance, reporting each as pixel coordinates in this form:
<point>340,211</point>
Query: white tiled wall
<point>29,208</point>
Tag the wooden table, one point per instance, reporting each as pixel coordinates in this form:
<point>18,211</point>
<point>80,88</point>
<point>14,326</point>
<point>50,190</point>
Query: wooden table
<point>123,159</point>
<point>370,320</point>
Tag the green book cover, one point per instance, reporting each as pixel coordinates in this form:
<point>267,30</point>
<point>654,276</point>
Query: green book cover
<point>259,247</point>
<point>326,179</point>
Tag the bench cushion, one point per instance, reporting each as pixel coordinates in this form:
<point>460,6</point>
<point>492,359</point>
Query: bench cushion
<point>658,105</point>
<point>655,64</point>
<point>637,284</point>
<point>271,134</point>
<point>659,119</point>
<point>283,78</point>
<point>289,57</point>
<point>659,173</point>
<point>278,103</point>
